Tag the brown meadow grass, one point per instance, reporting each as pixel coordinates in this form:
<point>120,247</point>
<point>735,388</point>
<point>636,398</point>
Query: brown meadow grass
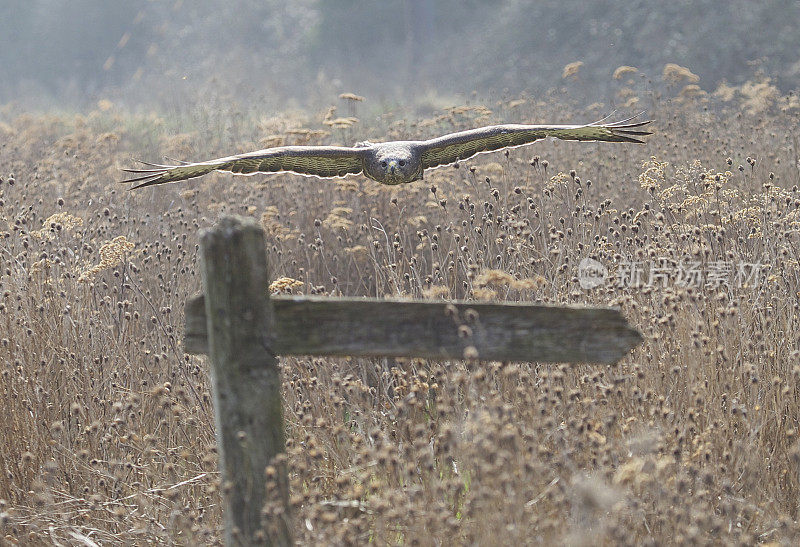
<point>107,432</point>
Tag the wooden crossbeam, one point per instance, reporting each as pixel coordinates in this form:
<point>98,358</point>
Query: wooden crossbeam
<point>369,327</point>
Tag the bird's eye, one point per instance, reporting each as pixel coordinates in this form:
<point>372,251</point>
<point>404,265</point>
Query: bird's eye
<point>383,164</point>
<point>402,163</point>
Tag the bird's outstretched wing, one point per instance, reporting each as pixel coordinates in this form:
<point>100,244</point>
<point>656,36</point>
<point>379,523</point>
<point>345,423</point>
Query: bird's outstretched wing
<point>450,148</point>
<point>317,161</point>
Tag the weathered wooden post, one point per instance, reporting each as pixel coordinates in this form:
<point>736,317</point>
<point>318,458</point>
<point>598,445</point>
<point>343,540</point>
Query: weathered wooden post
<point>244,375</point>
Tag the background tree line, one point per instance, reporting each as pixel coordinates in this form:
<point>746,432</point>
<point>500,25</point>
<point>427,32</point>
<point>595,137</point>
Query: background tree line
<point>145,49</point>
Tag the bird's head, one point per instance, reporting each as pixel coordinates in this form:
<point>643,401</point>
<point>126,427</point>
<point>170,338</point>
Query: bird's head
<point>394,165</point>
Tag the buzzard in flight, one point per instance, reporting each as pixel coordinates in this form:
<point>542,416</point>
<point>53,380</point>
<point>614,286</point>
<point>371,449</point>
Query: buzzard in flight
<point>394,162</point>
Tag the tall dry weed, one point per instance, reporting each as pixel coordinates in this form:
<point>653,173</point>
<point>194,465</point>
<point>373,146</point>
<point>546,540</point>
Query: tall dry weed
<point>107,431</point>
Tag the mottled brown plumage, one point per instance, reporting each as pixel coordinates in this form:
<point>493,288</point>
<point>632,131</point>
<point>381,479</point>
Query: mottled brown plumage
<point>395,162</point>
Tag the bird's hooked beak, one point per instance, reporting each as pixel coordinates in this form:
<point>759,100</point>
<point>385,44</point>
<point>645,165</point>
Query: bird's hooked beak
<point>392,166</point>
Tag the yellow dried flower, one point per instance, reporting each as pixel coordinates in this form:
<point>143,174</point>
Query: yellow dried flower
<point>337,218</point>
<point>653,177</point>
<point>341,122</point>
<point>284,285</point>
<point>112,253</point>
<point>499,278</point>
<point>692,91</point>
<point>351,97</point>
<point>66,221</point>
<point>725,92</point>
<point>436,291</point>
<point>571,70</point>
<point>675,74</point>
<point>759,96</point>
<point>624,70</point>
<point>484,294</point>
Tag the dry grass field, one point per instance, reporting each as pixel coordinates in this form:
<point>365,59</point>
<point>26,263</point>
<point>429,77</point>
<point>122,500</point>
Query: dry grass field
<point>107,430</point>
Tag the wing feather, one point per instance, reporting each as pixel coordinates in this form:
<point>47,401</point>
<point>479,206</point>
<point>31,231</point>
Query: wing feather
<point>316,161</point>
<point>465,144</point>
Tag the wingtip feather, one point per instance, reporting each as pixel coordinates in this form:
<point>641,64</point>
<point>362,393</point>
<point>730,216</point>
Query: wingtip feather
<point>137,179</point>
<point>146,183</point>
<point>628,129</point>
<point>148,176</point>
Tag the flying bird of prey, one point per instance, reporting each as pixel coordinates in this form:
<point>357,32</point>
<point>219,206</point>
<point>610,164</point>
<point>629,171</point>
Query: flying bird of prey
<point>394,162</point>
